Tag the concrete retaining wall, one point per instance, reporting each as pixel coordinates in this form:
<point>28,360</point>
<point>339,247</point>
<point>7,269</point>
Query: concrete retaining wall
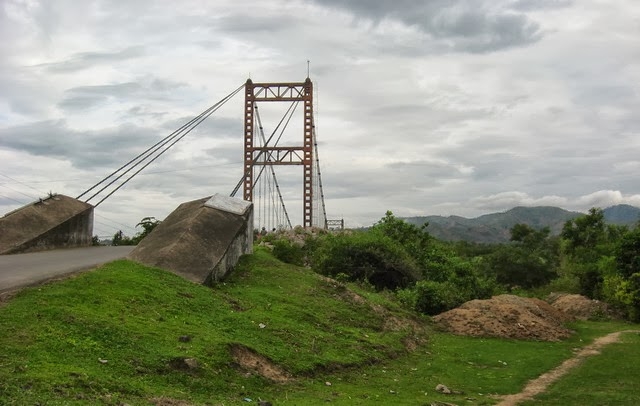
<point>56,222</point>
<point>200,240</point>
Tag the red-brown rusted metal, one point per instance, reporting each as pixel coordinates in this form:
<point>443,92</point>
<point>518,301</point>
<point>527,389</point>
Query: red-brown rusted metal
<point>287,155</point>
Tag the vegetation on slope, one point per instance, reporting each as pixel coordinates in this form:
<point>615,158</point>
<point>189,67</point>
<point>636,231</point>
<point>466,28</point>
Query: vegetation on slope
<point>123,333</point>
<point>128,334</point>
<point>590,257</point>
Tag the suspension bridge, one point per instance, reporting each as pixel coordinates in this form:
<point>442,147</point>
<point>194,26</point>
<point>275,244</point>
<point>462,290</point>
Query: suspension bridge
<point>285,145</point>
<point>200,240</point>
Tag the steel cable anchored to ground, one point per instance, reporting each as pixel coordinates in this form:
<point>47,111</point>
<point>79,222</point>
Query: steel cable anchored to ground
<point>114,181</point>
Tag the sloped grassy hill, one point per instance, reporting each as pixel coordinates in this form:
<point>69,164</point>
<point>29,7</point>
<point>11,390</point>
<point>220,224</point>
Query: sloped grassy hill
<point>131,334</point>
<point>126,334</point>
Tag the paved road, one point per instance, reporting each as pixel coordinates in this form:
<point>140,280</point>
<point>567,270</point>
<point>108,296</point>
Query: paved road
<point>21,270</point>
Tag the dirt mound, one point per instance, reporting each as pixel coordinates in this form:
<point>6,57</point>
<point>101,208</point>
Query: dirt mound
<point>579,306</point>
<point>253,362</point>
<point>507,316</point>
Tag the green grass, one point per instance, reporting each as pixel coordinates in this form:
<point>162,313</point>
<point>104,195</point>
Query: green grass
<point>611,378</point>
<point>53,337</point>
<point>481,368</point>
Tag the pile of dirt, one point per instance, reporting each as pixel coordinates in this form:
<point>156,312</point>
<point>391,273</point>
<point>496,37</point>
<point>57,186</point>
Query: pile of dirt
<point>579,306</point>
<point>507,316</point>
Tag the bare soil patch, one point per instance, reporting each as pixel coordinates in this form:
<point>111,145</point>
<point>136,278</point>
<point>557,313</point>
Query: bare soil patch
<point>507,316</point>
<point>579,306</point>
<point>253,362</point>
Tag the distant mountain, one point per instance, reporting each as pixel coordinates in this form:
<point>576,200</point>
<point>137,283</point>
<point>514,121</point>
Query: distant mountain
<point>622,214</point>
<point>494,228</point>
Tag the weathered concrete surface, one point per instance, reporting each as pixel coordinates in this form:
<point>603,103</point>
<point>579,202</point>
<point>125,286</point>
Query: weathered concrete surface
<point>20,270</point>
<point>56,222</point>
<point>200,240</point>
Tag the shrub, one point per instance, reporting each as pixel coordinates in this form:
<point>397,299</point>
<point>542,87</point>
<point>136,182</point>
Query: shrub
<point>366,256</point>
<point>436,297</point>
<point>288,252</point>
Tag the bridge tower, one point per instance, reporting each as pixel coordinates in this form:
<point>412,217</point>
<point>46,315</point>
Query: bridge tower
<point>255,156</point>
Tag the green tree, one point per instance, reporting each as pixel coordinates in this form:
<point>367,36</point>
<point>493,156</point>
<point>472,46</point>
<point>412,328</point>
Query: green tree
<point>628,254</point>
<point>147,224</point>
<point>410,236</point>
<point>120,239</point>
<point>427,274</point>
<point>117,238</point>
<point>531,260</point>
<point>622,288</point>
<point>584,233</point>
<point>587,242</point>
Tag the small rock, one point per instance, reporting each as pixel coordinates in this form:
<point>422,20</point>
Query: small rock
<point>443,389</point>
<point>262,325</point>
<point>184,363</point>
<point>191,363</point>
<point>328,383</point>
<point>102,361</point>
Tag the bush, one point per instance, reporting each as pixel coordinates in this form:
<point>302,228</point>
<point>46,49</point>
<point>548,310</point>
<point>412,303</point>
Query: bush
<point>288,252</point>
<point>436,297</point>
<point>628,253</point>
<point>366,256</point>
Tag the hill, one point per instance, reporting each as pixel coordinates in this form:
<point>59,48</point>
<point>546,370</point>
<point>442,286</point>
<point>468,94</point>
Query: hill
<point>622,214</point>
<point>131,334</point>
<point>126,334</point>
<point>494,228</point>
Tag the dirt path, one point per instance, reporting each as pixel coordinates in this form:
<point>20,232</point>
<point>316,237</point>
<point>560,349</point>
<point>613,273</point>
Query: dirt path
<point>540,384</point>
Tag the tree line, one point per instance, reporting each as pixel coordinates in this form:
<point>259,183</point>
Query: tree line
<point>590,257</point>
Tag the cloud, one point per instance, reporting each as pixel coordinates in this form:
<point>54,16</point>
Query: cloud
<point>256,24</point>
<point>86,97</point>
<point>463,25</point>
<point>527,5</point>
<point>86,60</point>
<point>606,198</point>
<point>507,200</point>
<point>422,107</point>
<point>84,149</point>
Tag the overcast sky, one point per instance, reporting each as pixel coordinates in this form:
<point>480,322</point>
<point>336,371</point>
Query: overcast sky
<point>450,107</point>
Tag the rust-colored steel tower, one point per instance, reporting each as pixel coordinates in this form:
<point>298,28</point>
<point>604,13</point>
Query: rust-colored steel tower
<point>280,155</point>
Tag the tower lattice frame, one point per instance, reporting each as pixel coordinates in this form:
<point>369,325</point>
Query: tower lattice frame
<point>255,156</point>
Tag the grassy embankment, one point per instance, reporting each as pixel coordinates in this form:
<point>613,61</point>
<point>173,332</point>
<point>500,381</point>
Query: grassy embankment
<point>118,335</point>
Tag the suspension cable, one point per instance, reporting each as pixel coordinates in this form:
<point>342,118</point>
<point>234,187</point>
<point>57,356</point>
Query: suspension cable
<point>162,146</point>
<point>290,116</point>
<point>315,147</point>
<point>239,184</point>
<point>160,143</point>
<point>273,172</point>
